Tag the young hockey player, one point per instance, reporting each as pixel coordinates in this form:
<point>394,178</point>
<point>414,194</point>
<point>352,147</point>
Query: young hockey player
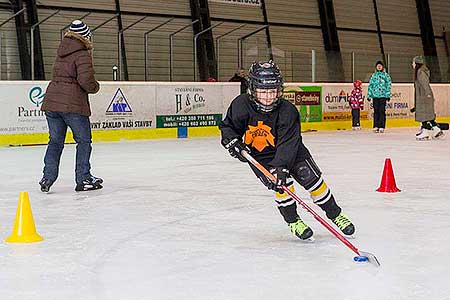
<point>356,102</point>
<point>268,126</point>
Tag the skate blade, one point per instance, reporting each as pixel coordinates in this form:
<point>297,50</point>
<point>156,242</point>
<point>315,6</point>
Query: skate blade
<point>308,240</point>
<point>350,237</point>
<point>438,136</point>
<point>89,188</point>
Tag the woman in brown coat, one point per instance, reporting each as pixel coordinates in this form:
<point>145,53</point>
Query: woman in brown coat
<point>66,104</point>
<point>424,101</point>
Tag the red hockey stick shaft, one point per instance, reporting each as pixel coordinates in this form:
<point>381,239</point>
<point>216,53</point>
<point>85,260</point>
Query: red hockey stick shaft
<point>300,201</point>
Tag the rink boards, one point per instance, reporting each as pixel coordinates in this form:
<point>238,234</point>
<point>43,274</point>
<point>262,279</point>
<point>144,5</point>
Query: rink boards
<point>120,110</point>
<point>147,110</point>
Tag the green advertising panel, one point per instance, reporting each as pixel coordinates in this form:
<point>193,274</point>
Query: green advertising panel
<point>308,101</point>
<point>170,121</point>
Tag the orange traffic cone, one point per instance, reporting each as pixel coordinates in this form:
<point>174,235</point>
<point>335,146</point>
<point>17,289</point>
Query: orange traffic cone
<point>24,230</point>
<point>388,184</point>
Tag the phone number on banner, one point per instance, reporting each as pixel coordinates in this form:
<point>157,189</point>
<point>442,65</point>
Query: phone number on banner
<point>188,120</point>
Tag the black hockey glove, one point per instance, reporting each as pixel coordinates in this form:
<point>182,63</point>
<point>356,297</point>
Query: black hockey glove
<point>281,174</point>
<point>235,146</point>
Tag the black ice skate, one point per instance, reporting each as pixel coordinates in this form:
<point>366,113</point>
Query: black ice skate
<point>45,184</point>
<point>344,224</point>
<point>89,184</point>
<point>301,230</point>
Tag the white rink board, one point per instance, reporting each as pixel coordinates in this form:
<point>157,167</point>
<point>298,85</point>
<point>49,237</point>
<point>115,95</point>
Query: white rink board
<point>137,105</point>
<point>118,105</point>
<point>20,103</point>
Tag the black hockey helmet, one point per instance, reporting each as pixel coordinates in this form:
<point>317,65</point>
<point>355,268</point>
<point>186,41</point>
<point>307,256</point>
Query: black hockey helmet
<point>265,75</point>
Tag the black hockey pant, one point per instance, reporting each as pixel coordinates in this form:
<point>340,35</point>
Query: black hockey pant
<point>309,176</point>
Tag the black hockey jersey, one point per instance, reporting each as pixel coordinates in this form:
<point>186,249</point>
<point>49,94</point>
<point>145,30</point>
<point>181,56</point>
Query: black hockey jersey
<point>274,138</point>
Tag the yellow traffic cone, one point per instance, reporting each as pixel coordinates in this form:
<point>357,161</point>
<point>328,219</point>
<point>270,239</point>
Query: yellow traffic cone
<point>24,230</point>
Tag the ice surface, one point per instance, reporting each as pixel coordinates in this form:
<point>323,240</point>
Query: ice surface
<point>180,219</point>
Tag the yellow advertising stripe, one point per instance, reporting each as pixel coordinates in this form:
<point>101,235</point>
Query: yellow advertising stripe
<point>322,188</point>
<point>97,136</point>
<point>23,139</point>
<point>133,134</point>
<point>347,125</point>
<point>156,133</point>
<point>110,135</point>
<point>203,131</point>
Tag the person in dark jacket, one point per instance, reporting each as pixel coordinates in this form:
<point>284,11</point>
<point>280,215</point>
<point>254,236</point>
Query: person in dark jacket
<point>240,76</point>
<point>66,104</point>
<point>424,101</point>
<point>268,126</point>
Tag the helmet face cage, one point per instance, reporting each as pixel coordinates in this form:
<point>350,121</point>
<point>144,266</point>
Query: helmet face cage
<point>265,75</point>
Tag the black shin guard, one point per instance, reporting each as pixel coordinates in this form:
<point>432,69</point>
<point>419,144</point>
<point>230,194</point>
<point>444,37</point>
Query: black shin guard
<point>289,213</point>
<point>331,208</point>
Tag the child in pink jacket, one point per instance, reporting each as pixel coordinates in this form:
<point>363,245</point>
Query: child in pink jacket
<point>356,102</point>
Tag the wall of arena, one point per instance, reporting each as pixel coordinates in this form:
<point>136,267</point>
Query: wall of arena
<point>295,30</point>
<point>140,110</point>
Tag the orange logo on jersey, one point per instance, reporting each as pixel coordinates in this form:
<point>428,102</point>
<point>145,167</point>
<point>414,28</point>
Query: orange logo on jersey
<point>259,136</point>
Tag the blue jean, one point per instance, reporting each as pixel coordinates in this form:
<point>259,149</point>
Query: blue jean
<point>81,129</point>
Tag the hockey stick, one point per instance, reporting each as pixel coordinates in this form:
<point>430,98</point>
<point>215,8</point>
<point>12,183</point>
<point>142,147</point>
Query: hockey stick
<point>362,256</point>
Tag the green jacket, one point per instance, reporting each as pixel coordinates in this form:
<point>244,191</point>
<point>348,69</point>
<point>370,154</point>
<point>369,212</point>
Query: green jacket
<point>380,85</point>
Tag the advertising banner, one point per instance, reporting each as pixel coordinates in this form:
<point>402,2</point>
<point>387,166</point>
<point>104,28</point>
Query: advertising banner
<point>188,105</point>
<point>139,105</point>
<point>123,106</point>
<point>402,99</point>
<point>230,90</point>
<point>335,102</point>
<point>441,96</point>
<point>21,103</point>
<point>307,99</point>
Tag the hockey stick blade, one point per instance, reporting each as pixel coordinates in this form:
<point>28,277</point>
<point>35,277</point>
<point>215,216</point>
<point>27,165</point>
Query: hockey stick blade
<point>372,258</point>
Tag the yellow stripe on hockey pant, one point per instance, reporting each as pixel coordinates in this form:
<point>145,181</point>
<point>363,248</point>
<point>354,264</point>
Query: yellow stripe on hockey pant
<point>284,194</point>
<point>322,188</point>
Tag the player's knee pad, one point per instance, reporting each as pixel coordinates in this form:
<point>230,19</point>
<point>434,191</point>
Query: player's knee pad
<point>283,199</point>
<point>307,173</point>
